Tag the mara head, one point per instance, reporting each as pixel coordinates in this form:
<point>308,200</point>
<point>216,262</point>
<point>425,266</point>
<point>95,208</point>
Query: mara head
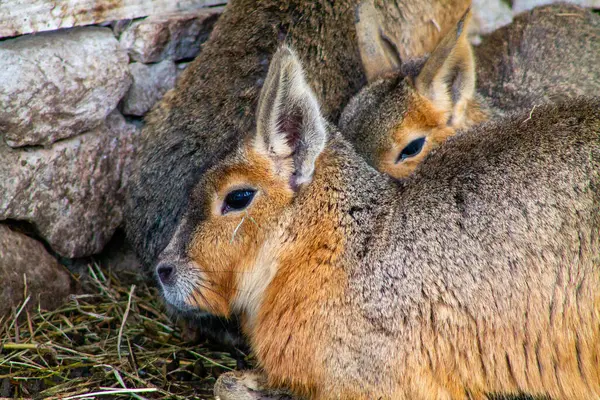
<point>408,107</point>
<point>220,256</point>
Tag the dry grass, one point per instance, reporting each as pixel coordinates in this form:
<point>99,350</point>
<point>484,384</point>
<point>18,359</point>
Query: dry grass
<point>115,341</point>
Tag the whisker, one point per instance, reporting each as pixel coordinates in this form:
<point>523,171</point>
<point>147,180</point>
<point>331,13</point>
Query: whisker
<point>237,228</point>
<point>240,224</point>
<point>205,300</point>
<point>201,284</point>
<point>252,219</point>
<point>213,291</point>
<point>228,288</point>
<point>233,272</point>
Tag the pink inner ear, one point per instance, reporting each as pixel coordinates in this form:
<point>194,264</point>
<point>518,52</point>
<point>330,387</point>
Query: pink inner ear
<point>290,125</point>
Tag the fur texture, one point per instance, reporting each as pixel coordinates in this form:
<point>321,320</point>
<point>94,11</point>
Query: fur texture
<point>477,275</point>
<point>547,54</point>
<point>213,105</point>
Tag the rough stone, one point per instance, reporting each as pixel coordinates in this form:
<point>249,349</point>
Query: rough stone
<point>118,27</point>
<point>489,15</point>
<point>182,67</point>
<point>18,17</point>
<point>519,6</point>
<point>73,191</point>
<point>59,84</point>
<point>48,282</point>
<point>172,36</point>
<point>150,83</point>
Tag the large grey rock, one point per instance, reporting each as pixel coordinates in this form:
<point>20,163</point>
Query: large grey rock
<point>182,66</point>
<point>150,83</point>
<point>18,17</point>
<point>489,15</point>
<point>56,85</point>
<point>519,6</point>
<point>172,36</point>
<point>73,191</point>
<point>48,283</point>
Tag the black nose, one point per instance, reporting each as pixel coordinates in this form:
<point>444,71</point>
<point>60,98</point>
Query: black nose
<point>165,273</point>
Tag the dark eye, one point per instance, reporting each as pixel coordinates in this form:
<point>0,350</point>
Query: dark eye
<point>411,150</point>
<point>237,200</point>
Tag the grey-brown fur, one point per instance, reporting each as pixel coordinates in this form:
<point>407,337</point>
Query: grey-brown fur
<point>494,218</point>
<point>372,113</point>
<point>547,54</point>
<point>415,26</point>
<point>479,274</point>
<point>504,214</point>
<point>213,104</point>
<point>212,108</point>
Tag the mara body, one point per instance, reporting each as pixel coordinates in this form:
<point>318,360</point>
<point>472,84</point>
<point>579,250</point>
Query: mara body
<point>212,106</point>
<point>477,275</point>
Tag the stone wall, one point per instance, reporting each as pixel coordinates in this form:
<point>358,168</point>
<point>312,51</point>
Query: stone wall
<point>72,103</point>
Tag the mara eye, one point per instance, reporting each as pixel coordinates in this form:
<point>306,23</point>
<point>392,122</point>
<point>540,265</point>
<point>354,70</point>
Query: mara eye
<point>237,200</point>
<point>411,150</point>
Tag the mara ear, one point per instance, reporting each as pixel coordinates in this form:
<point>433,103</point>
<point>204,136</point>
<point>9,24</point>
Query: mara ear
<point>378,53</point>
<point>290,128</point>
<point>448,76</point>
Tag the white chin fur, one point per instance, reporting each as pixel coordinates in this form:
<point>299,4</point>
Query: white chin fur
<point>178,294</point>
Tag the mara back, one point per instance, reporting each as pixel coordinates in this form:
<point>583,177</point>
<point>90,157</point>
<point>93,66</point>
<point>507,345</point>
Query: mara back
<point>549,53</point>
<point>476,275</point>
<point>546,54</point>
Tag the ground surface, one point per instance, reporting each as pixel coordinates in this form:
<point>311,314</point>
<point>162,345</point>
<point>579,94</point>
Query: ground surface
<point>112,341</point>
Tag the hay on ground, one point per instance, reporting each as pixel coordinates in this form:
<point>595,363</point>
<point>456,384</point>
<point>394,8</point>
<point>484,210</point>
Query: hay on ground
<point>113,341</point>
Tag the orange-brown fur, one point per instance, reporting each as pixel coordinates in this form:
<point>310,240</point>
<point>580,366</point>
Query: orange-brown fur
<point>477,275</point>
<point>290,301</point>
<point>422,118</point>
<point>426,108</point>
<point>212,106</point>
<point>232,258</point>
